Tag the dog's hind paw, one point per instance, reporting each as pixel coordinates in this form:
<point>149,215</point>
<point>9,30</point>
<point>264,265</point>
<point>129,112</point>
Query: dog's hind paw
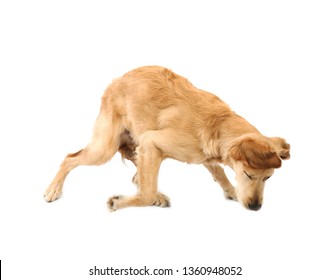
<point>52,193</point>
<point>112,203</point>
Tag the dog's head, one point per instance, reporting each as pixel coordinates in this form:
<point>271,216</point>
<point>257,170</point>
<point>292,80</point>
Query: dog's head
<point>254,158</point>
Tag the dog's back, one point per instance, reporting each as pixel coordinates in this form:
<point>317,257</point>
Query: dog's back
<point>155,98</point>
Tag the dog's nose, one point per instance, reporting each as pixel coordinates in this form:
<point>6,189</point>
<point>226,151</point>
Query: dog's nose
<point>254,206</point>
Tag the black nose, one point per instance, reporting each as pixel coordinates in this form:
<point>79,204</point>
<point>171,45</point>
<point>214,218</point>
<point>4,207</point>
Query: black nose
<point>254,206</point>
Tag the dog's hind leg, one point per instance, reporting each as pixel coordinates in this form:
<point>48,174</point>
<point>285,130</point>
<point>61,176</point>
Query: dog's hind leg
<point>219,176</point>
<point>103,146</point>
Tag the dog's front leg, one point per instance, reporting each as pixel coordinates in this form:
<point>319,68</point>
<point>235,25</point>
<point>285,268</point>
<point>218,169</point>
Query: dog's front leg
<point>149,159</point>
<point>219,176</point>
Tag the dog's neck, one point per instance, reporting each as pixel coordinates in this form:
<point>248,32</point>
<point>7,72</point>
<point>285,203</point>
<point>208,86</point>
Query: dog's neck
<point>217,143</point>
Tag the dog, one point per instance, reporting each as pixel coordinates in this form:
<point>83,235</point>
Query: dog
<point>152,113</point>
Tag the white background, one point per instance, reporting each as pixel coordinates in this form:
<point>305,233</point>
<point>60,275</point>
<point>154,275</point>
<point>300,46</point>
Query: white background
<point>268,59</point>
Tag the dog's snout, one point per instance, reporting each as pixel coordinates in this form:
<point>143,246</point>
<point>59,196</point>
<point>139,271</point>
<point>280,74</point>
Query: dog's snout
<point>254,206</point>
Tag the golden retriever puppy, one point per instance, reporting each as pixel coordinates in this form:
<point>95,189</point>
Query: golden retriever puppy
<point>151,114</point>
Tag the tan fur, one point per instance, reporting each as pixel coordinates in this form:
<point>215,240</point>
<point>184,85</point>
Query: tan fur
<point>151,114</point>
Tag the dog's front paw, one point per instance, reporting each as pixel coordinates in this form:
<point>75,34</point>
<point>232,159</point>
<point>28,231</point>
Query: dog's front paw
<point>162,200</point>
<point>113,202</point>
<point>231,195</point>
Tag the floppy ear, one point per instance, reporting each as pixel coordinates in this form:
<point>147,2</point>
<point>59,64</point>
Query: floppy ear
<point>281,147</point>
<point>256,154</point>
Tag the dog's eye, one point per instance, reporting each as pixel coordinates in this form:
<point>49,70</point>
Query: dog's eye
<point>249,176</point>
<point>267,177</point>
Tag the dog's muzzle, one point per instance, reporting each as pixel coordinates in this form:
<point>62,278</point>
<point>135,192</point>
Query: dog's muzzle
<point>255,206</point>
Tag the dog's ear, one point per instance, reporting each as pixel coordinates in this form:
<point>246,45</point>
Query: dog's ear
<point>281,147</point>
<point>255,154</point>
